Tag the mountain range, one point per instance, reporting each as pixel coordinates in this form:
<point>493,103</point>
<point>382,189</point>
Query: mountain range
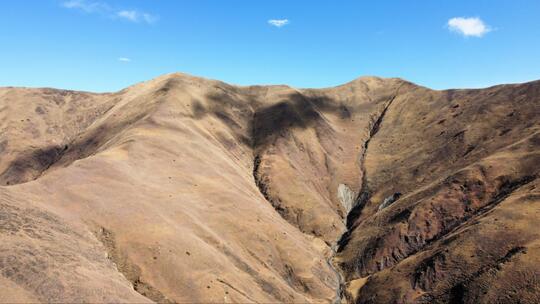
<point>184,189</point>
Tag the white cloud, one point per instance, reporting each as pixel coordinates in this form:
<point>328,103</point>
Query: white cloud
<point>149,18</point>
<point>129,15</point>
<point>472,26</point>
<point>102,8</point>
<point>278,22</point>
<point>124,59</point>
<point>87,6</point>
<point>135,16</point>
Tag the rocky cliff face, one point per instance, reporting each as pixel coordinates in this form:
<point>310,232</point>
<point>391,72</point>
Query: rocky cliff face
<point>183,189</point>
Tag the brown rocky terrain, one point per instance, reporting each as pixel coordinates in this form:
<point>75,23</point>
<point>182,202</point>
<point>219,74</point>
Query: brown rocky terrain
<point>183,189</point>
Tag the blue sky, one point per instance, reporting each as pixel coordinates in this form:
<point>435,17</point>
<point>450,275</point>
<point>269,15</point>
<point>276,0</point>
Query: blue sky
<point>105,45</point>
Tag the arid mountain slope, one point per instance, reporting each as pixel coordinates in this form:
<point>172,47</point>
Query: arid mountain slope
<point>182,189</point>
<point>466,164</point>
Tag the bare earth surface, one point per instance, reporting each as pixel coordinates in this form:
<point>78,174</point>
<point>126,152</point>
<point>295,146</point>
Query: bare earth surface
<point>183,189</point>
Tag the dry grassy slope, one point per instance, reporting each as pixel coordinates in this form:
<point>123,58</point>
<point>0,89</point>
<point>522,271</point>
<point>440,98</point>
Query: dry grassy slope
<point>185,189</point>
<point>463,231</point>
<point>308,142</point>
<point>35,124</point>
<point>164,181</point>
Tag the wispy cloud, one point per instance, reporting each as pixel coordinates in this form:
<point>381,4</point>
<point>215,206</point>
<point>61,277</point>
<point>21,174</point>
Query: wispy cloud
<point>278,22</point>
<point>103,8</point>
<point>87,6</point>
<point>135,16</point>
<point>129,15</point>
<point>124,59</point>
<point>468,27</point>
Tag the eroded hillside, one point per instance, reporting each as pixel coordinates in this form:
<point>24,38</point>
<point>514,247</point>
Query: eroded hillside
<point>183,189</point>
